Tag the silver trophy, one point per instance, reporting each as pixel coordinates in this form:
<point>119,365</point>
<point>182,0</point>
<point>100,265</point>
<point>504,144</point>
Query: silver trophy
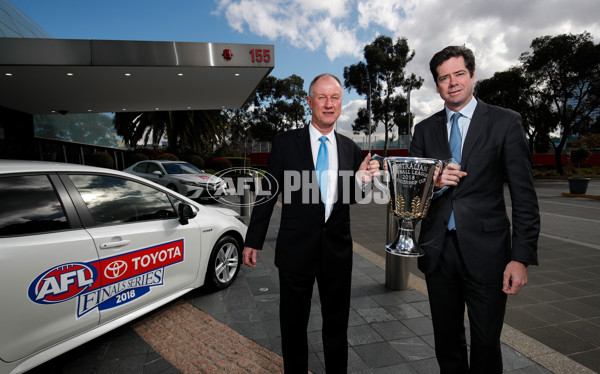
<point>409,185</point>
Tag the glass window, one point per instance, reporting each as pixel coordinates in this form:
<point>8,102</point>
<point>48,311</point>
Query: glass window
<point>29,206</point>
<point>113,200</point>
<point>152,167</point>
<point>141,167</point>
<point>181,168</point>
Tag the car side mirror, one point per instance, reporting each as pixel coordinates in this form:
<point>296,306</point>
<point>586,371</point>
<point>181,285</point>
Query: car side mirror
<point>185,213</point>
<point>158,173</point>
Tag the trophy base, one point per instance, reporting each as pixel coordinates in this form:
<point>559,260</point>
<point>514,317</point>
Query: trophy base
<point>404,245</point>
<point>410,252</point>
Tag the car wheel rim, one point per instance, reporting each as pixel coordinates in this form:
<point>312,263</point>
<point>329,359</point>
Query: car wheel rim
<point>226,263</point>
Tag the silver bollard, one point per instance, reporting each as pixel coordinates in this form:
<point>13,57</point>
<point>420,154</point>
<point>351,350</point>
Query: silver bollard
<point>248,196</point>
<point>396,267</point>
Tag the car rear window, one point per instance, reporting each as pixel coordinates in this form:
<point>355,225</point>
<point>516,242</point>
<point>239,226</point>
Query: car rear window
<point>30,205</point>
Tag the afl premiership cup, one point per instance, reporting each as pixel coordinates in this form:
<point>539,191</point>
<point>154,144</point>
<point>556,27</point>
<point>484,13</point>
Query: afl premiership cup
<point>409,183</point>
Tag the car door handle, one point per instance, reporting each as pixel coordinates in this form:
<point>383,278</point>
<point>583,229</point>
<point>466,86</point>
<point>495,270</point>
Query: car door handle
<point>120,243</point>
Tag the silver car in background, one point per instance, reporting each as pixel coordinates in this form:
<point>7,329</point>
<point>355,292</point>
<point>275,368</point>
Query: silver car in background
<point>178,176</point>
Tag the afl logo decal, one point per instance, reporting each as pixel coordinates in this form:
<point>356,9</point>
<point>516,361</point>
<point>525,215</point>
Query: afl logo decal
<point>115,269</point>
<point>62,282</point>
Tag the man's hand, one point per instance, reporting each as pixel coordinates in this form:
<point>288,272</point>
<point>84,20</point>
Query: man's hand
<point>368,169</point>
<point>515,277</point>
<point>450,176</point>
<point>250,256</point>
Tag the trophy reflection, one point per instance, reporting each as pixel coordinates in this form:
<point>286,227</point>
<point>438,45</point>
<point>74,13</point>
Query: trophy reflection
<point>409,183</point>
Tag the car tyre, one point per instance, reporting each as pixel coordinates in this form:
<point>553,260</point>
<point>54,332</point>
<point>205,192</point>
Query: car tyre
<point>224,263</point>
<point>172,187</point>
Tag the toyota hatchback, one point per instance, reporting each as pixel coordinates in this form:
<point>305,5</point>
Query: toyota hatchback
<point>84,250</point>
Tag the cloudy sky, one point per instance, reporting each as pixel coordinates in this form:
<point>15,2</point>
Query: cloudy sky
<point>316,36</point>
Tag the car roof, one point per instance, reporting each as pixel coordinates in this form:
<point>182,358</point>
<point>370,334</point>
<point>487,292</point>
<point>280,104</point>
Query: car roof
<point>161,162</point>
<point>166,161</point>
<point>19,166</point>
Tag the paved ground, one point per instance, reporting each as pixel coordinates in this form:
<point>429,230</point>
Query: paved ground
<point>560,306</point>
<point>552,326</point>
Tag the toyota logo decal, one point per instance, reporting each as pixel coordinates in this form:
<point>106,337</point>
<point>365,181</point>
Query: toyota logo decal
<point>115,269</point>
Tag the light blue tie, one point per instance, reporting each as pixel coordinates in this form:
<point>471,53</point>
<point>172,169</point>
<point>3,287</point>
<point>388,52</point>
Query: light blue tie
<point>455,148</point>
<point>322,167</point>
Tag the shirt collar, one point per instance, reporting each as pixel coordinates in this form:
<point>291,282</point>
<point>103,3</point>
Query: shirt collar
<point>466,111</point>
<point>316,134</point>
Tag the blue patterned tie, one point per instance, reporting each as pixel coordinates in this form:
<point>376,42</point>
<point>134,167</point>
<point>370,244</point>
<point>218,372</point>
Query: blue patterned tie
<point>455,148</point>
<point>322,167</point>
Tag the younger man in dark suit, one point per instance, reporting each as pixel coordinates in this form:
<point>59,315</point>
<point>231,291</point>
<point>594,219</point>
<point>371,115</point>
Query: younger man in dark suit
<point>314,241</point>
<point>471,256</point>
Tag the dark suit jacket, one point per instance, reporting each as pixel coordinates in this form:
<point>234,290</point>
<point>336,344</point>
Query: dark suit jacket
<point>305,241</point>
<point>495,151</point>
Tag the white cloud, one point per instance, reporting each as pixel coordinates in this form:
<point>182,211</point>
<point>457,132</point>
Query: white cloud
<point>385,13</point>
<point>310,24</point>
<point>497,32</point>
<point>344,123</point>
<point>333,8</point>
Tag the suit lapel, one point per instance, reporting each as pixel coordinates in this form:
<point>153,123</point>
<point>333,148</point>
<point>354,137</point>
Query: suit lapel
<point>304,149</point>
<point>345,159</point>
<point>439,136</point>
<point>478,123</point>
<point>345,162</point>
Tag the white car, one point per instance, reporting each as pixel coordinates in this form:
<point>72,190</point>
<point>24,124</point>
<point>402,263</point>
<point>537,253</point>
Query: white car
<point>179,176</point>
<point>84,250</point>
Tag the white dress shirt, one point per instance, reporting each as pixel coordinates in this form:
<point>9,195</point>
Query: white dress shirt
<point>332,180</point>
<point>463,121</point>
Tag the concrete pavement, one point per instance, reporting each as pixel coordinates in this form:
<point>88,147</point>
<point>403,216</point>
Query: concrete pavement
<point>553,326</point>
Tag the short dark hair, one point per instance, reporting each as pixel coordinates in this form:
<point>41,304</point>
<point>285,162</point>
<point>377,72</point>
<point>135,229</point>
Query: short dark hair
<point>310,88</point>
<point>449,52</point>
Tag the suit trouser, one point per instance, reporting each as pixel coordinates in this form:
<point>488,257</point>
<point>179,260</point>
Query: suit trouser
<point>450,286</point>
<point>296,294</point>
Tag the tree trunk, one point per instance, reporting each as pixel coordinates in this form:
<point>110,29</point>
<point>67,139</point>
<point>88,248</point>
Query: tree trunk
<point>385,143</point>
<point>558,160</point>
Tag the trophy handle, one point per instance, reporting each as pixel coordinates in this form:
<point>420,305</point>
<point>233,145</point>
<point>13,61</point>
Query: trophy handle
<point>384,188</point>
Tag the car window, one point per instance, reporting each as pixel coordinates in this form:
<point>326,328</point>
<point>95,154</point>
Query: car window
<point>29,205</point>
<point>172,168</point>
<point>141,167</point>
<point>113,200</point>
<point>152,167</point>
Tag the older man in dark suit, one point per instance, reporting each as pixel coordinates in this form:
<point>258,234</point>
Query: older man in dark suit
<point>471,256</point>
<point>314,239</point>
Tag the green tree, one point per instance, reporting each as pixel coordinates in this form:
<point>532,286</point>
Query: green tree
<point>191,131</point>
<point>566,72</point>
<point>411,83</point>
<point>277,105</point>
<point>380,78</point>
<point>514,89</point>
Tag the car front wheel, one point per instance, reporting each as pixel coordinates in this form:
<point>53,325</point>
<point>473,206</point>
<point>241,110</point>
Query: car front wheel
<point>224,263</point>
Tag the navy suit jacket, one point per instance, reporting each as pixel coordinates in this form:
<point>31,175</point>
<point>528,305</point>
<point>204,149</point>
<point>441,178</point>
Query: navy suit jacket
<point>305,242</point>
<point>495,152</point>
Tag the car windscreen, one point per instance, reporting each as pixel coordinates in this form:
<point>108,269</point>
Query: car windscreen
<point>181,169</point>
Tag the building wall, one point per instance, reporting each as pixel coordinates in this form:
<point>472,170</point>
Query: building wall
<point>15,24</point>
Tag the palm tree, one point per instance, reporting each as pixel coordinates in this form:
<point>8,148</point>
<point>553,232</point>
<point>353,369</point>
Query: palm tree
<point>186,131</point>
